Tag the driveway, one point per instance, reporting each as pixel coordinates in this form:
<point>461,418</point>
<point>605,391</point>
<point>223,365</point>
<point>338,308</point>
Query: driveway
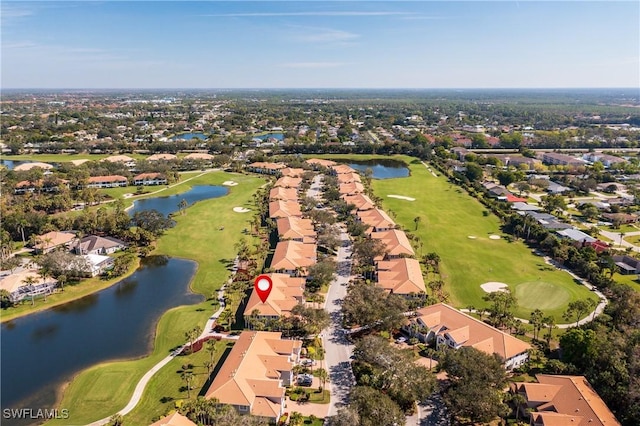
<point>338,349</point>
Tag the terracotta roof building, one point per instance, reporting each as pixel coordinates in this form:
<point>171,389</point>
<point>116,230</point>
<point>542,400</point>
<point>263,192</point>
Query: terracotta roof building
<point>292,172</point>
<point>110,181</point>
<point>253,376</point>
<point>396,243</point>
<point>564,400</point>
<point>286,293</point>
<point>293,257</point>
<point>377,220</point>
<point>175,419</point>
<point>198,156</point>
<point>266,168</point>
<point>319,162</point>
<point>455,329</point>
<point>162,157</point>
<point>348,178</point>
<point>52,240</point>
<point>400,276</point>
<point>150,179</point>
<point>341,168</point>
<point>295,228</point>
<point>350,188</point>
<point>361,201</point>
<point>288,182</point>
<point>281,193</point>
<point>282,208</point>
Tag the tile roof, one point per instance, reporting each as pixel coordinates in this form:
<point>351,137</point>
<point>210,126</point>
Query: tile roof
<point>118,159</point>
<point>291,255</point>
<point>286,293</point>
<point>321,162</point>
<point>295,228</point>
<point>376,218</point>
<point>250,375</point>
<point>281,193</point>
<point>175,419</point>
<point>350,188</point>
<point>53,239</point>
<point>395,241</point>
<point>361,201</point>
<point>564,400</point>
<point>165,157</point>
<point>107,179</point>
<point>342,168</point>
<point>288,182</point>
<point>400,276</point>
<point>199,156</point>
<point>443,319</point>
<point>282,208</point>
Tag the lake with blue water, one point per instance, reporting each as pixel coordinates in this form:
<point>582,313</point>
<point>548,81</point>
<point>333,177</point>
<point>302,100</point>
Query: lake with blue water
<point>275,135</point>
<point>168,205</point>
<point>11,164</point>
<point>42,351</point>
<point>189,136</point>
<point>381,168</point>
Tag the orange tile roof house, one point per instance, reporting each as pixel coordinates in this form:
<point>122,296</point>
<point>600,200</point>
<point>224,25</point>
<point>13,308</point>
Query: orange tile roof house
<point>396,243</point>
<point>281,208</point>
<point>339,169</point>
<point>281,193</point>
<point>350,188</point>
<point>288,182</point>
<point>563,400</point>
<point>266,168</point>
<point>111,181</point>
<point>253,376</point>
<point>162,157</point>
<point>348,178</point>
<point>150,179</point>
<point>52,240</point>
<point>175,419</point>
<point>378,220</point>
<point>400,276</point>
<point>292,172</point>
<point>199,156</point>
<point>455,329</point>
<point>293,257</point>
<point>286,293</point>
<point>319,162</point>
<point>361,201</point>
<point>297,229</point>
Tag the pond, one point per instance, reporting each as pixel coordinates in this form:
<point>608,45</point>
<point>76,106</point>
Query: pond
<point>11,164</point>
<point>189,136</point>
<point>382,169</point>
<point>265,136</point>
<point>168,205</point>
<point>42,351</point>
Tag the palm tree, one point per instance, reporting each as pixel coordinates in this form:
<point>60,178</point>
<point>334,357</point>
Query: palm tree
<point>187,376</point>
<point>29,281</point>
<point>209,366</point>
<point>550,322</point>
<point>416,220</point>
<point>519,401</point>
<point>296,419</point>
<point>322,374</point>
<point>211,348</point>
<point>622,234</point>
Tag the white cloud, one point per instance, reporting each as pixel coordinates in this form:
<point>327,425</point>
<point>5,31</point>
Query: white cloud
<point>284,14</point>
<point>326,35</point>
<point>313,64</point>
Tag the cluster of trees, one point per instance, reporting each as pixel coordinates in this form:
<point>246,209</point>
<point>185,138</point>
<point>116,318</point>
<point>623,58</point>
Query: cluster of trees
<point>210,412</point>
<point>367,305</point>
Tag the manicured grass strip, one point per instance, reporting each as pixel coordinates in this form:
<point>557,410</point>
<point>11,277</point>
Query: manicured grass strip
<point>448,217</point>
<point>167,387</point>
<point>197,236</point>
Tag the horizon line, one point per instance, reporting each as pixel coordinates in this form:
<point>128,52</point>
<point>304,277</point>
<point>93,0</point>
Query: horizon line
<point>324,88</point>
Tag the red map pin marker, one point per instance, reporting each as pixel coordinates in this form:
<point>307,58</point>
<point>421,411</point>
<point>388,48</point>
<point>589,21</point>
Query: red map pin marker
<point>263,286</point>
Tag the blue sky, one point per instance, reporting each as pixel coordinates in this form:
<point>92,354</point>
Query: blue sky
<point>320,44</point>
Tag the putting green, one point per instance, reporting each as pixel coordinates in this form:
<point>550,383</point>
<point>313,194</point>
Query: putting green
<point>541,295</point>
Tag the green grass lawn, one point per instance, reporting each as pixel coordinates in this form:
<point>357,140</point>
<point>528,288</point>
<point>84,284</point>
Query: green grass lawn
<point>630,280</point>
<point>449,216</point>
<point>167,387</point>
<point>197,237</point>
<point>634,239</point>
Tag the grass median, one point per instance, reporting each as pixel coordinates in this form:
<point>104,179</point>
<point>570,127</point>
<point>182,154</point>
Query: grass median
<point>196,236</point>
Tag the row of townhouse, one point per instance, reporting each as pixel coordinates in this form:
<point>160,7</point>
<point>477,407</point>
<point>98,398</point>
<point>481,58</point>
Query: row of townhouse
<point>114,181</point>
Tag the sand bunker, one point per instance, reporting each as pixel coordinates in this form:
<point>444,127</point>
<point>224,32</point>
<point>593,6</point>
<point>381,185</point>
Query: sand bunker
<point>127,195</point>
<point>241,210</point>
<point>229,183</point>
<point>494,237</point>
<point>493,286</point>
<point>472,237</point>
<point>401,197</point>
